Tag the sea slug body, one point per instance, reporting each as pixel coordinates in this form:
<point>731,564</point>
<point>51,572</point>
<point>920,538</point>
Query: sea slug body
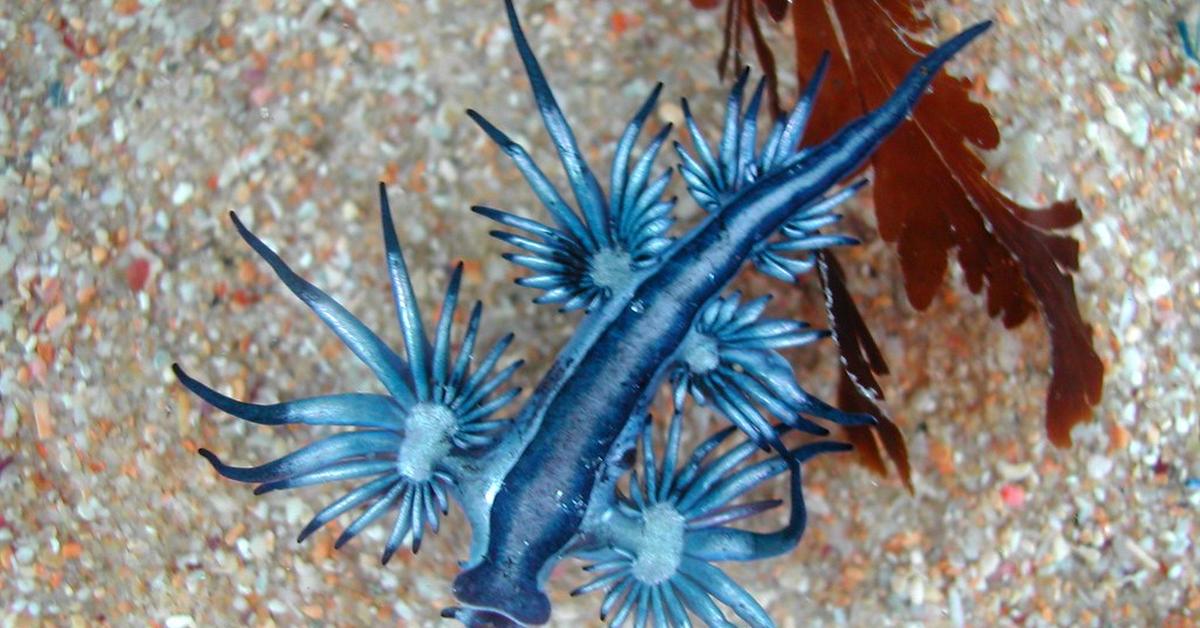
<point>548,483</point>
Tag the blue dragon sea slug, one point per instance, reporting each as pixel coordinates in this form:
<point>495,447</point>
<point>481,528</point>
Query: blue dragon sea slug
<point>548,483</point>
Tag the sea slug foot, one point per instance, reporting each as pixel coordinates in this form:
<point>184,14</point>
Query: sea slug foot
<point>488,587</point>
<point>479,618</point>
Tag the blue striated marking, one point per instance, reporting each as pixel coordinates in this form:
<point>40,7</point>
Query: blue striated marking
<point>1185,36</point>
<point>57,94</point>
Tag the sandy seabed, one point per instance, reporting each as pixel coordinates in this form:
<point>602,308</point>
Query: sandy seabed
<point>130,129</point>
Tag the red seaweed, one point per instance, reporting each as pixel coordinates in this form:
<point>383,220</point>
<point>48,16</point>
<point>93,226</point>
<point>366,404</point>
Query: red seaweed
<point>932,199</point>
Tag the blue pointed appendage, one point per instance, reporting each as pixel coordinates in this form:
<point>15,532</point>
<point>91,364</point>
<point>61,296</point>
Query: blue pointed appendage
<point>652,553</point>
<point>591,253</point>
<point>409,444</point>
<point>729,359</point>
<point>1187,39</point>
<point>714,179</point>
<point>555,480</point>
